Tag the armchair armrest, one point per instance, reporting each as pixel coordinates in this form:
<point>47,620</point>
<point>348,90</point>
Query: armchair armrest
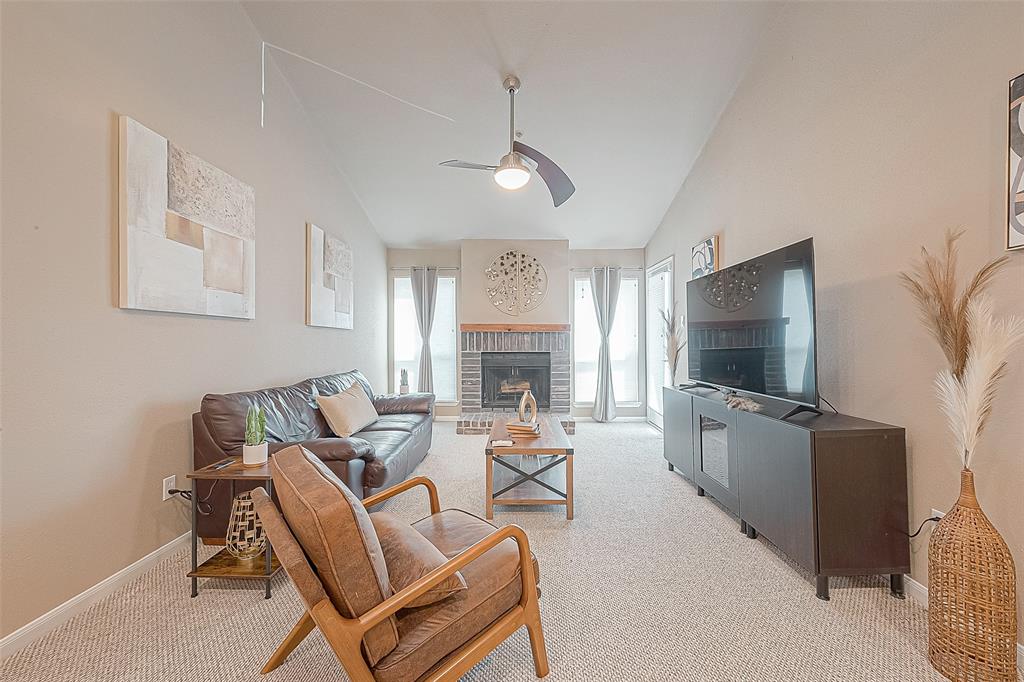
<point>410,403</point>
<point>401,599</point>
<point>435,505</point>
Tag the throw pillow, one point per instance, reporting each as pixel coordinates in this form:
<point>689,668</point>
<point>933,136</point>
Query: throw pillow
<point>410,556</point>
<point>347,412</point>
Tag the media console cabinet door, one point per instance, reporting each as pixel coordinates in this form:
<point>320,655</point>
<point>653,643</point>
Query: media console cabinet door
<point>715,465</point>
<point>776,477</point>
<point>678,430</point>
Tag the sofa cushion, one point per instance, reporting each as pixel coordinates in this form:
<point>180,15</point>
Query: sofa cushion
<point>390,456</point>
<point>398,422</point>
<point>336,533</point>
<point>347,412</point>
<point>429,633</point>
<point>410,556</point>
<point>291,412</point>
<point>336,383</point>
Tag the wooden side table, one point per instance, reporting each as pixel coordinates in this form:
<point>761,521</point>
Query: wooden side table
<point>223,564</point>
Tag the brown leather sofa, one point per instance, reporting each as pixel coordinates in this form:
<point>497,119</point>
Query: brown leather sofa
<point>379,456</point>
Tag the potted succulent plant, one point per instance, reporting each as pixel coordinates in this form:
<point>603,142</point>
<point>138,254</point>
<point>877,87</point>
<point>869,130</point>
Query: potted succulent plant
<point>403,387</point>
<point>254,452</point>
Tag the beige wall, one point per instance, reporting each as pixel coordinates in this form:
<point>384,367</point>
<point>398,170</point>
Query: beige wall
<point>477,255</point>
<point>96,399</point>
<point>873,128</point>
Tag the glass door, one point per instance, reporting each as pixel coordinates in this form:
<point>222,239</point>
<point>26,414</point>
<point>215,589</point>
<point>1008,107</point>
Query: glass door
<point>659,300</point>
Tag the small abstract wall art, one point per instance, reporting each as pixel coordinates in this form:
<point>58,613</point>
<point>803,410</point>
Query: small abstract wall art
<point>1015,167</point>
<point>187,230</point>
<point>704,257</point>
<point>328,280</point>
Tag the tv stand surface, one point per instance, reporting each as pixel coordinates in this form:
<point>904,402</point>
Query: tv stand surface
<point>829,490</point>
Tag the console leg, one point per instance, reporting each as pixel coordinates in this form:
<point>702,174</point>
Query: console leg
<point>896,586</point>
<point>671,466</point>
<point>751,532</point>
<point>743,526</point>
<point>700,492</point>
<point>822,587</point>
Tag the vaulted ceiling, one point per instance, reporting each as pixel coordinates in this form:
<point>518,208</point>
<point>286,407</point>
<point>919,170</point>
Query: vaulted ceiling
<point>621,95</point>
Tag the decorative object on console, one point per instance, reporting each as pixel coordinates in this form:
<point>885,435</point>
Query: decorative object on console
<point>972,603</point>
<point>403,387</point>
<point>254,452</point>
<point>738,402</point>
<point>704,257</point>
<point>675,339</point>
<point>1015,167</point>
<point>329,276</point>
<point>528,405</point>
<point>517,282</point>
<point>245,539</point>
<point>187,230</point>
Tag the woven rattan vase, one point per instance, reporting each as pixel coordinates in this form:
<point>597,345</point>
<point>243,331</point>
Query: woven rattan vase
<point>972,595</point>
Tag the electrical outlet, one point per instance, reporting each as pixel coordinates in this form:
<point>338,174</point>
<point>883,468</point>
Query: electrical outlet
<point>169,484</point>
<point>936,512</point>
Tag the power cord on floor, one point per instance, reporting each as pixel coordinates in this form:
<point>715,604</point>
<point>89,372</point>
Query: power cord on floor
<point>828,403</point>
<point>921,527</point>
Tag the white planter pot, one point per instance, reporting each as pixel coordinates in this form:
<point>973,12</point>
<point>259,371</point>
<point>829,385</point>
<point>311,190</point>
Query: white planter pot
<point>403,389</point>
<point>254,455</point>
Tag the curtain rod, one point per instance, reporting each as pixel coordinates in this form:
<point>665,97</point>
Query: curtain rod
<point>410,267</point>
<point>621,269</point>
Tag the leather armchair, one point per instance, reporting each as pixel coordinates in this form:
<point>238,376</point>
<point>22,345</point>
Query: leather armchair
<point>374,636</point>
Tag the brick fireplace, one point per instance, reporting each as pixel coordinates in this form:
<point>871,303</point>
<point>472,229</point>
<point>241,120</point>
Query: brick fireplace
<point>497,362</point>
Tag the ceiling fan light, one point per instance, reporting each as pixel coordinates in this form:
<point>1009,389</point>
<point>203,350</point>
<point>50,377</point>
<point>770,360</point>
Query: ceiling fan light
<point>511,172</point>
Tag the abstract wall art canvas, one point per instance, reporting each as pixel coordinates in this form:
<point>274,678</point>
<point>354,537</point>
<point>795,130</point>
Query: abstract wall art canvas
<point>1015,167</point>
<point>704,257</point>
<point>328,280</point>
<point>187,239</point>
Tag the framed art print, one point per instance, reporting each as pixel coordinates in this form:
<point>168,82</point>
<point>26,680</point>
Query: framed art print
<point>1015,166</point>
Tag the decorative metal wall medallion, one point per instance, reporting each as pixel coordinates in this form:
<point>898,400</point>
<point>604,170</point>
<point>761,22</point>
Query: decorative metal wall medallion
<point>733,288</point>
<point>516,282</point>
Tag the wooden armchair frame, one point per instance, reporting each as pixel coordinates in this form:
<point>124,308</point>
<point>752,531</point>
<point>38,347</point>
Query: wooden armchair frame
<point>345,635</point>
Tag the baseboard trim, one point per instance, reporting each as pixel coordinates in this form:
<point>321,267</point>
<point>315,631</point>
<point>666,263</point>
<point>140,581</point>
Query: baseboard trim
<point>59,615</point>
<point>446,418</point>
<point>919,593</point>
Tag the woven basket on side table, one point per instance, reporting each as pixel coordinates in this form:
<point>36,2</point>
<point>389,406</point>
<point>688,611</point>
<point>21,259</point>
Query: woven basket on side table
<point>972,595</point>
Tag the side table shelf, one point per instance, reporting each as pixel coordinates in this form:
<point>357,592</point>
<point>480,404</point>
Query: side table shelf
<point>223,565</point>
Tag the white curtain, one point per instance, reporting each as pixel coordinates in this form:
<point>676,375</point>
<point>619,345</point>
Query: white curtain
<point>424,296</point>
<point>604,283</point>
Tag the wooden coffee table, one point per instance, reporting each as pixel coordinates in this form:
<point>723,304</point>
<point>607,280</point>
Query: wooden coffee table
<point>534,481</point>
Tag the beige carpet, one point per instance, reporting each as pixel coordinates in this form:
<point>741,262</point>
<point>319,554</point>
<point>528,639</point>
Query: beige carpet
<point>649,582</point>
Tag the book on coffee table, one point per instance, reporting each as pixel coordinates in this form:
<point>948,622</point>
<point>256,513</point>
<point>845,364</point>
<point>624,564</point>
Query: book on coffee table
<point>523,428</point>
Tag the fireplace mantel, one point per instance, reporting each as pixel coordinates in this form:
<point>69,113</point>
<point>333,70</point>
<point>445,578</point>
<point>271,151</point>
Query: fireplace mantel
<point>514,327</point>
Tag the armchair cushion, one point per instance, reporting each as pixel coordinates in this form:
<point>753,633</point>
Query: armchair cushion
<point>410,556</point>
<point>429,633</point>
<point>336,533</point>
<point>410,403</point>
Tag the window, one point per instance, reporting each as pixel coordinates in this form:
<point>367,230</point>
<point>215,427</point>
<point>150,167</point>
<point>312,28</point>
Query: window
<point>623,342</point>
<point>444,339</point>
<point>659,299</point>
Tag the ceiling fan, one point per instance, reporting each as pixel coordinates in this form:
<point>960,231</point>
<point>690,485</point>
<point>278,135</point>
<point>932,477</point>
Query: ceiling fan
<point>514,169</point>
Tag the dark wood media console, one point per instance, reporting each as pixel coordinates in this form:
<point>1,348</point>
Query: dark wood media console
<point>828,490</point>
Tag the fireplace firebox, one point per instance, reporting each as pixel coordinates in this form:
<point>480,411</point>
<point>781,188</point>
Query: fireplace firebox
<point>506,376</point>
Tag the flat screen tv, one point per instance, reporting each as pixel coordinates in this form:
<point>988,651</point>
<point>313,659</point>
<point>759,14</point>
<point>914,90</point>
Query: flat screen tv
<point>750,327</point>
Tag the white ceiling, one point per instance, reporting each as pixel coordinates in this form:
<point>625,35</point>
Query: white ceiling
<point>621,95</point>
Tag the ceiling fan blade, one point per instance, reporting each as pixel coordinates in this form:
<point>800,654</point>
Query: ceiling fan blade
<point>558,182</point>
<point>455,163</point>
